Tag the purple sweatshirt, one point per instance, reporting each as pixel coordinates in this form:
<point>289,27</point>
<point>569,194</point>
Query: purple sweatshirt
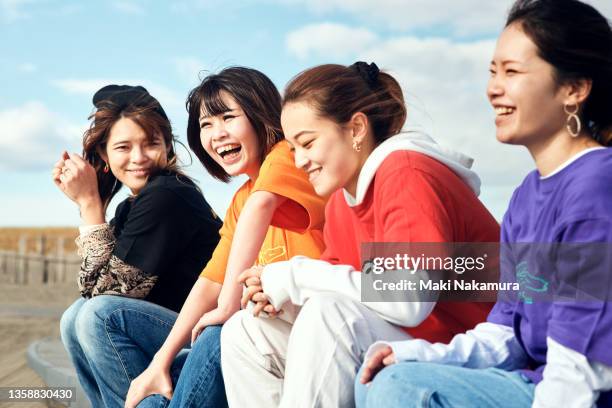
<point>552,214</point>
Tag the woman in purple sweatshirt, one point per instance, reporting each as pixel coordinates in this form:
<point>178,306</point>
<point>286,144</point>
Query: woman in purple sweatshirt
<point>549,344</point>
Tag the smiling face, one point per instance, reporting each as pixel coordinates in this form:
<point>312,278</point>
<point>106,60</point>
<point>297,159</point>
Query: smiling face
<point>322,148</point>
<point>132,155</point>
<point>230,139</point>
<point>528,103</point>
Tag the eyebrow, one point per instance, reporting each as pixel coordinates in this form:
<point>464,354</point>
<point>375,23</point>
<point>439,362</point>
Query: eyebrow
<point>505,62</point>
<point>118,142</point>
<point>302,133</point>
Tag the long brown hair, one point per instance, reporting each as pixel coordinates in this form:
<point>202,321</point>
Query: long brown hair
<point>95,138</point>
<point>337,92</point>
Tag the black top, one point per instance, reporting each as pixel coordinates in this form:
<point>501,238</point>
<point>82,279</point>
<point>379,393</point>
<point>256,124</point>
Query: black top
<point>167,230</point>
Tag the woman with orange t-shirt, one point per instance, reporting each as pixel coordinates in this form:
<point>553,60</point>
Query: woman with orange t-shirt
<point>234,128</point>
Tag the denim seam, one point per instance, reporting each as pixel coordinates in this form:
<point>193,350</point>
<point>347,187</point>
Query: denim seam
<point>426,401</point>
<point>110,340</point>
<point>207,375</point>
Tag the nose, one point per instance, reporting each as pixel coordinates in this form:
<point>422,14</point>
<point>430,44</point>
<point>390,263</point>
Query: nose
<point>494,87</point>
<point>219,132</point>
<point>300,159</point>
<point>138,154</point>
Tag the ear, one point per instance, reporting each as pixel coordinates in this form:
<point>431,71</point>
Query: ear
<point>577,91</point>
<point>102,153</point>
<point>359,125</point>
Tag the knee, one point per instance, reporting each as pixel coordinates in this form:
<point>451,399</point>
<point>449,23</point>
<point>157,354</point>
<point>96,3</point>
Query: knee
<point>208,343</point>
<point>68,323</point>
<point>233,330</point>
<point>401,384</point>
<point>326,310</point>
<point>391,387</point>
<point>154,401</point>
<point>90,322</point>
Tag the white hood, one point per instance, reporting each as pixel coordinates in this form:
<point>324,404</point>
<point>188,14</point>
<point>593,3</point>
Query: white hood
<point>416,141</point>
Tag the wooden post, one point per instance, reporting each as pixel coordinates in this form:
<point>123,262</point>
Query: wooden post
<point>4,268</point>
<point>21,264</point>
<point>60,265</point>
<point>43,259</point>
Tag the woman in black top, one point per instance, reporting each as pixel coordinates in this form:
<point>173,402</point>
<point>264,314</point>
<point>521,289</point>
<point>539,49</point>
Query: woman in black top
<point>149,255</point>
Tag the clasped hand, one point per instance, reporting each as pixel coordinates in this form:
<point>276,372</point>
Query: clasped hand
<point>251,279</point>
<point>76,178</point>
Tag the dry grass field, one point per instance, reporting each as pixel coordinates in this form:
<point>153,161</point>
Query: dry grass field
<point>10,239</point>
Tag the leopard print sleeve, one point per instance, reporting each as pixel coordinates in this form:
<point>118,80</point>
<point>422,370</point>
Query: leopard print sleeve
<point>102,273</point>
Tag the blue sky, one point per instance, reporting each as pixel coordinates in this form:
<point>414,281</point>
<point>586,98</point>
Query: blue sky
<point>55,54</point>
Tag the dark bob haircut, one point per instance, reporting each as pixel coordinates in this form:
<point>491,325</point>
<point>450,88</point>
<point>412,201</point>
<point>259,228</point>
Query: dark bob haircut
<point>257,96</point>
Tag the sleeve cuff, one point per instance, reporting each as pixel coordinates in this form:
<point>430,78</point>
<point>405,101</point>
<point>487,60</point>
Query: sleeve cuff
<point>88,229</point>
<point>274,282</point>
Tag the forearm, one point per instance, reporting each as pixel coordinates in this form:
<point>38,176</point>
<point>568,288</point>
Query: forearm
<point>487,345</point>
<point>202,299</point>
<point>92,211</point>
<point>95,246</point>
<point>300,278</point>
<point>249,236</point>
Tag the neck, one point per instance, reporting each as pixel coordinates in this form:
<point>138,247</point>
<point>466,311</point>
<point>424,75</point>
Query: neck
<point>253,174</point>
<point>551,153</point>
<point>366,149</point>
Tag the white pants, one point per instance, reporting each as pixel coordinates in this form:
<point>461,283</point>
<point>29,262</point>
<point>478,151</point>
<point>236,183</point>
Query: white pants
<point>310,363</point>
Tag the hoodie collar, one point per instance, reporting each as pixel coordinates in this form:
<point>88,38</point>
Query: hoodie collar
<point>414,140</point>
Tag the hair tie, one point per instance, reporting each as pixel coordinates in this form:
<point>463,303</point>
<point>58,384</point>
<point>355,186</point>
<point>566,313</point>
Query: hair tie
<point>369,72</point>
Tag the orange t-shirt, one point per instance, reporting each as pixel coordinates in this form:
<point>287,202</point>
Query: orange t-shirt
<point>297,225</point>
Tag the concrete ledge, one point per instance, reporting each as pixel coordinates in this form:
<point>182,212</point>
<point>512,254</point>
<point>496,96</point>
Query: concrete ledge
<point>49,359</point>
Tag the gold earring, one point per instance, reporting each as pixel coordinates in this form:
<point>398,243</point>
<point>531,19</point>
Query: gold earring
<point>572,116</point>
<point>356,146</point>
<point>106,168</point>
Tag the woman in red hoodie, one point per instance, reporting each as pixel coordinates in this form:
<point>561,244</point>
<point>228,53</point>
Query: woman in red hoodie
<point>344,124</point>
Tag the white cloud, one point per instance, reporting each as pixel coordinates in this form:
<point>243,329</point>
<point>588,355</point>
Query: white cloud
<point>32,137</point>
<point>13,10</point>
<point>460,17</point>
<point>27,67</point>
<point>445,85</point>
<point>188,68</point>
<point>326,38</point>
<point>128,7</point>
<point>168,98</point>
<point>444,82</point>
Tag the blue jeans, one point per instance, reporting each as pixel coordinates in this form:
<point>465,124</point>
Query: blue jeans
<point>111,340</point>
<point>201,382</point>
<point>412,384</point>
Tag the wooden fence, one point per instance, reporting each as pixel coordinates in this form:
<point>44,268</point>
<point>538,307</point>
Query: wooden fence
<point>38,267</point>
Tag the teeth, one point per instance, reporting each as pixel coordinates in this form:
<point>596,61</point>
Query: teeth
<point>502,110</point>
<point>226,148</point>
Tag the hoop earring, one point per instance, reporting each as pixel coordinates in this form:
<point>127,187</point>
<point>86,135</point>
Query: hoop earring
<point>106,168</point>
<point>572,115</point>
<point>356,146</point>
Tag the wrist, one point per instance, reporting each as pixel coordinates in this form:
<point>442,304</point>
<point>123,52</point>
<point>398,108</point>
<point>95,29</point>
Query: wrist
<point>227,310</point>
<point>92,211</point>
<point>162,360</point>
